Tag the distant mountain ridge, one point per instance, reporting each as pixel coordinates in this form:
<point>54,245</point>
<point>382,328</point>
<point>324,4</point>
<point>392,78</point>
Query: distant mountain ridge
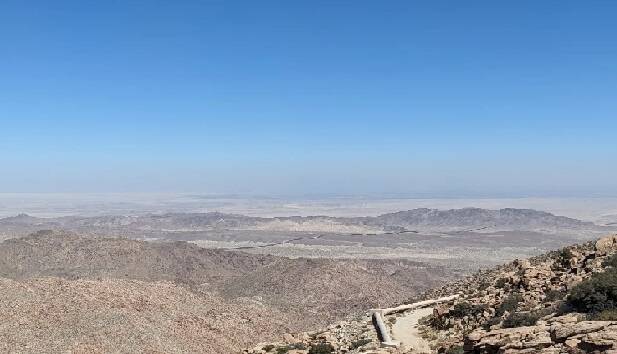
<point>477,218</point>
<point>422,219</point>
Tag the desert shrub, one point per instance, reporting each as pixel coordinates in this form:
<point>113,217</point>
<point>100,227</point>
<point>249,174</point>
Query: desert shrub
<point>606,315</point>
<point>463,309</point>
<point>437,322</point>
<point>359,343</point>
<point>518,319</point>
<point>500,283</point>
<point>554,295</point>
<point>455,349</point>
<point>483,285</point>
<point>282,350</point>
<point>509,304</point>
<point>493,321</point>
<point>321,348</point>
<point>563,308</point>
<point>610,262</point>
<point>459,310</point>
<point>562,259</point>
<point>596,294</point>
<point>287,348</point>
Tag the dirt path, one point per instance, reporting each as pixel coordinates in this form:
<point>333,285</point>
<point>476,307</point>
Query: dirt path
<point>405,330</point>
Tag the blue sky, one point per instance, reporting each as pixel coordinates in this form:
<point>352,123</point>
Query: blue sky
<point>309,97</point>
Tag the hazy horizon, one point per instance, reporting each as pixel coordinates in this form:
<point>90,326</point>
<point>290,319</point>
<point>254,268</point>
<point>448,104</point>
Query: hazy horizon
<point>595,209</point>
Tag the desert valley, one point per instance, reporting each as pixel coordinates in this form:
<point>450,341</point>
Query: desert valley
<point>222,282</point>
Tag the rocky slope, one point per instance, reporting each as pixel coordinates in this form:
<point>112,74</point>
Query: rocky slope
<point>54,315</point>
<point>561,302</point>
<point>62,292</point>
<point>68,255</point>
<point>320,290</point>
<point>536,305</point>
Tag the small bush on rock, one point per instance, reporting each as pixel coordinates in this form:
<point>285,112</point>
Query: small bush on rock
<point>509,304</point>
<point>437,322</point>
<point>322,348</point>
<point>562,260</point>
<point>483,285</point>
<point>606,315</point>
<point>596,294</point>
<point>500,283</point>
<point>492,322</point>
<point>520,320</point>
<point>463,309</point>
<point>359,343</point>
<point>610,262</point>
<point>457,349</point>
<point>282,350</point>
<point>554,295</point>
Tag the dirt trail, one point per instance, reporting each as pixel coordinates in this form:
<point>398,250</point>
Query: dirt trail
<point>405,330</point>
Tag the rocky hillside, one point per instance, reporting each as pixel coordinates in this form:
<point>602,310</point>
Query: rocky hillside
<point>330,289</point>
<point>55,315</point>
<point>561,302</point>
<point>68,255</point>
<point>63,292</point>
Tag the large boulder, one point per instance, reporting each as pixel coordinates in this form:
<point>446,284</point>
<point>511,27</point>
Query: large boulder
<point>607,244</point>
<point>532,337</point>
<point>560,335</point>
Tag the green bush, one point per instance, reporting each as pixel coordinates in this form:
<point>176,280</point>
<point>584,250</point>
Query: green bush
<point>282,350</point>
<point>493,321</point>
<point>510,304</point>
<point>606,315</point>
<point>456,349</point>
<point>596,294</point>
<point>483,285</point>
<point>563,257</point>
<point>463,309</point>
<point>501,283</point>
<point>321,348</point>
<point>437,322</point>
<point>518,319</point>
<point>359,343</point>
<point>554,295</point>
<point>610,262</point>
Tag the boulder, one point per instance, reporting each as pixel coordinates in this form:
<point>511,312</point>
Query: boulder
<point>607,244</point>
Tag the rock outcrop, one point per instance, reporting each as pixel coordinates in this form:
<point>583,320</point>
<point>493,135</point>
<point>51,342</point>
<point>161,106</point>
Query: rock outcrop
<point>561,334</point>
<point>521,307</point>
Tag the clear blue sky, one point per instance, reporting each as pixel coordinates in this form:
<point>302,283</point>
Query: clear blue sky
<point>304,97</point>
